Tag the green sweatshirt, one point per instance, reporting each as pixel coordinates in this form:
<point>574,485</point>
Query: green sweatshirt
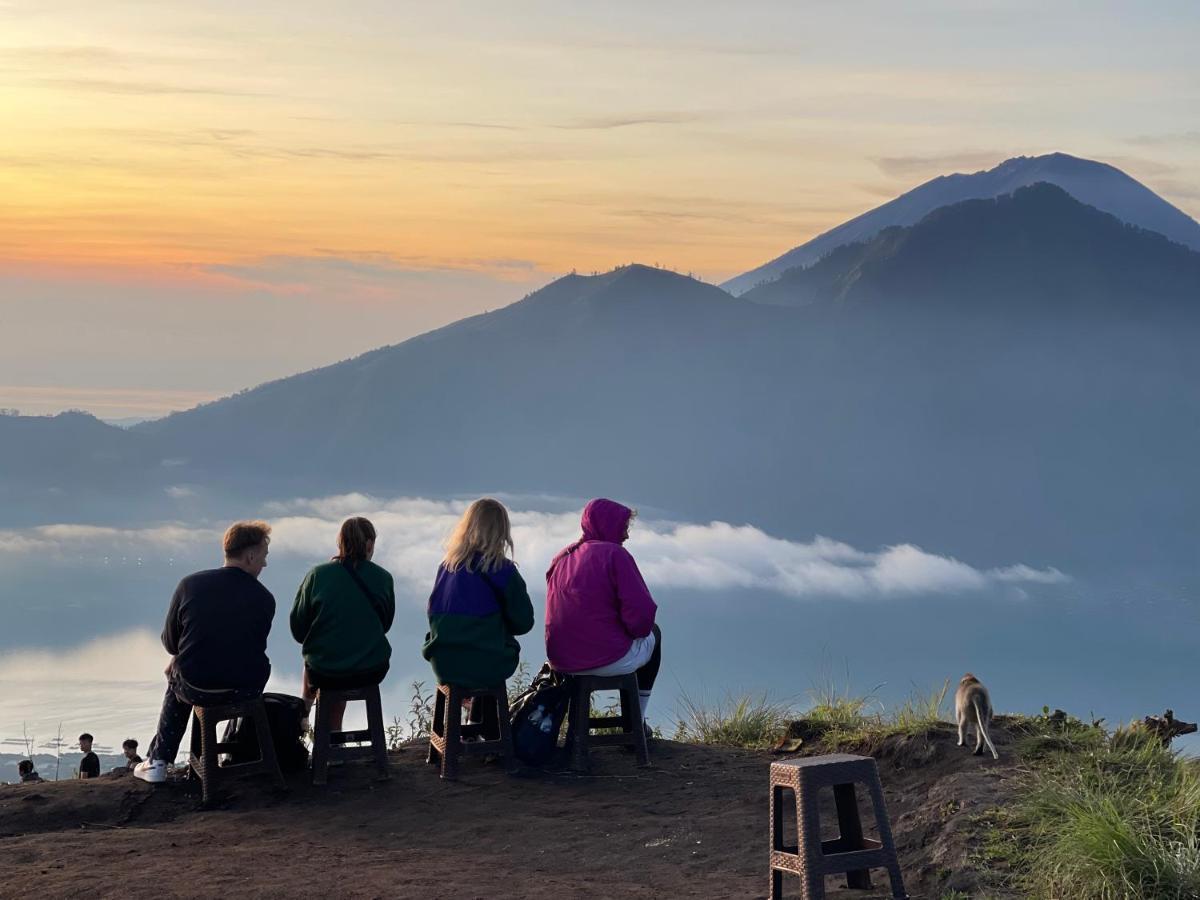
<point>342,630</point>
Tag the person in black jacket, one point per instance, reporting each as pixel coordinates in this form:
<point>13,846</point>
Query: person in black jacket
<point>216,633</point>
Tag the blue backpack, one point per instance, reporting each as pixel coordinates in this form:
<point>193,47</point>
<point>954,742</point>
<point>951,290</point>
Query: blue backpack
<point>537,716</point>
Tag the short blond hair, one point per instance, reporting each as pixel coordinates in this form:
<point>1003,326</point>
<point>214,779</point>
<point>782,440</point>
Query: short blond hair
<point>483,538</point>
<point>241,536</point>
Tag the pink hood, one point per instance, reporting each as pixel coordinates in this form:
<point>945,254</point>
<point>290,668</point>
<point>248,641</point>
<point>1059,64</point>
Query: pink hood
<point>596,599</point>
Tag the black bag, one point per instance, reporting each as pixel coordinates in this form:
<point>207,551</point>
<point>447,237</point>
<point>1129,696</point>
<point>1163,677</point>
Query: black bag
<point>284,714</point>
<point>538,714</point>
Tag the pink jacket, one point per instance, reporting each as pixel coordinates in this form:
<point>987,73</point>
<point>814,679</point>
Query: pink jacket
<point>596,600</point>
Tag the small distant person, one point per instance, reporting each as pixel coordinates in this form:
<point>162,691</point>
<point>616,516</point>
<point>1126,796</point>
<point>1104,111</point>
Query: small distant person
<point>216,632</point>
<point>27,772</point>
<point>129,746</point>
<point>89,766</point>
<point>599,612</point>
<point>479,605</point>
<point>341,616</point>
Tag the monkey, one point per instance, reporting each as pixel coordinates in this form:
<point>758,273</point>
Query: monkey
<point>972,705</point>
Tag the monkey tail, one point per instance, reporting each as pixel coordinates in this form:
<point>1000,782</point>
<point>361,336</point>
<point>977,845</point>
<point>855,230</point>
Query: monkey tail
<point>982,726</point>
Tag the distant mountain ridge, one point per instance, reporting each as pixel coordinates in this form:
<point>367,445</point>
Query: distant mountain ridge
<point>1093,183</point>
<point>1020,246</point>
<point>1009,378</point>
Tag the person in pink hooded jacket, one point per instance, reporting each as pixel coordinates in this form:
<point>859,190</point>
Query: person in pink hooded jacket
<point>599,612</point>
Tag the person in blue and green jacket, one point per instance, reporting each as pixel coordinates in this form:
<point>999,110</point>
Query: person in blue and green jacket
<point>479,603</point>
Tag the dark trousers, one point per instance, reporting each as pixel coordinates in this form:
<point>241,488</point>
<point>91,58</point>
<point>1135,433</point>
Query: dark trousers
<point>647,673</point>
<point>177,709</point>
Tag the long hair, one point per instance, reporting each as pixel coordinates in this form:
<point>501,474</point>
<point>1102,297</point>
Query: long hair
<point>353,537</point>
<point>482,537</point>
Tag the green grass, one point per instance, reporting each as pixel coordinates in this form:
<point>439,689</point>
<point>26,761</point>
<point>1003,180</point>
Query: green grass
<point>752,722</point>
<point>851,721</point>
<point>1117,819</point>
<point>839,717</point>
<point>1049,734</point>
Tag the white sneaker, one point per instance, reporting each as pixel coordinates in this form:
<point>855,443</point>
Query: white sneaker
<point>152,770</point>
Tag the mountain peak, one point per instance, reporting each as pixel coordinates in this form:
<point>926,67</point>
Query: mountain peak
<point>629,282</point>
<point>1091,182</point>
<point>993,255</point>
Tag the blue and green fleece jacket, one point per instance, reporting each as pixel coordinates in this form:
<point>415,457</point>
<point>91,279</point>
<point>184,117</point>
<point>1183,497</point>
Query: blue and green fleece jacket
<point>474,618</point>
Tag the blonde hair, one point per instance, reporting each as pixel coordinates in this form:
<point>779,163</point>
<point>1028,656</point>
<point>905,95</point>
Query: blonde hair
<point>483,536</point>
<point>241,536</point>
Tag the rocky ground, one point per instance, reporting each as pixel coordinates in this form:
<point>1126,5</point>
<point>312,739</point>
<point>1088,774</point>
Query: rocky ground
<point>693,825</point>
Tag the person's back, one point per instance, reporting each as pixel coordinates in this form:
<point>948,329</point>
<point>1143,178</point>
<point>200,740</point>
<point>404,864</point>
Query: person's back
<point>596,600</point>
<point>217,630</point>
<point>479,603</point>
<point>474,617</point>
<point>341,616</point>
<point>341,628</point>
<point>27,772</point>
<point>599,612</point>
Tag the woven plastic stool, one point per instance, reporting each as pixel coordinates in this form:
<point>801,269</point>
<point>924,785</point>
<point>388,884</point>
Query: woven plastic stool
<point>450,738</point>
<point>329,744</point>
<point>850,853</point>
<point>581,721</point>
<point>204,733</point>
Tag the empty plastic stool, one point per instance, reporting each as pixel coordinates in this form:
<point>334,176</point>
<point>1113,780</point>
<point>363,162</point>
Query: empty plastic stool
<point>850,853</point>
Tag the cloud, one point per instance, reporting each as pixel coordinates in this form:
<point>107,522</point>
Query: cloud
<point>375,274</point>
<point>602,123</point>
<point>116,687</point>
<point>1182,138</point>
<point>99,400</point>
<point>918,166</point>
<point>140,88</point>
<point>707,558</point>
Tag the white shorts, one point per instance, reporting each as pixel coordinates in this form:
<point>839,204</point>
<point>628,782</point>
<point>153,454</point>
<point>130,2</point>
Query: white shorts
<point>638,655</point>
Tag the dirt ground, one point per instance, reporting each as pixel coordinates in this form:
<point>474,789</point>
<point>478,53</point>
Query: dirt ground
<point>693,825</point>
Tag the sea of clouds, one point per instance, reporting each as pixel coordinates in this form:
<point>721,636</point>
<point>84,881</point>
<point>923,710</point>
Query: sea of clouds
<point>713,556</point>
<point>112,683</point>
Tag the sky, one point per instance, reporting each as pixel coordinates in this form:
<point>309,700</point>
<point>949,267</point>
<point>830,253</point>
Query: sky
<point>201,197</point>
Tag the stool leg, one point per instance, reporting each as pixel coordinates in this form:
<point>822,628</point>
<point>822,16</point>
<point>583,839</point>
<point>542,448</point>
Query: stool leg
<point>776,889</point>
<point>321,739</point>
<point>506,743</point>
<point>808,839</point>
<point>208,757</point>
<point>452,731</point>
<point>632,709</point>
<point>437,727</point>
<point>580,730</point>
<point>266,745</point>
<point>885,838</point>
<point>850,831</point>
<point>375,726</point>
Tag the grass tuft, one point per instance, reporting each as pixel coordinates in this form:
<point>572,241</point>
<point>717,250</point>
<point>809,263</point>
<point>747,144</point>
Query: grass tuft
<point>751,722</point>
<point>1118,820</point>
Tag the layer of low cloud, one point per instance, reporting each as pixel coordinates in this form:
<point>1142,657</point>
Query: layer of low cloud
<point>706,558</point>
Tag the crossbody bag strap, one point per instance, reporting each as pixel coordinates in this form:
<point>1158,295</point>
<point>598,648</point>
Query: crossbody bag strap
<point>362,586</point>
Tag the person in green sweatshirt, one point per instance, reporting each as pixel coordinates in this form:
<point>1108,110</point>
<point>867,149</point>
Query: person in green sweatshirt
<point>341,616</point>
<point>479,604</point>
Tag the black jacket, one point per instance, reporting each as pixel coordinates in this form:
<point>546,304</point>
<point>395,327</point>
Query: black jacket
<point>217,630</point>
